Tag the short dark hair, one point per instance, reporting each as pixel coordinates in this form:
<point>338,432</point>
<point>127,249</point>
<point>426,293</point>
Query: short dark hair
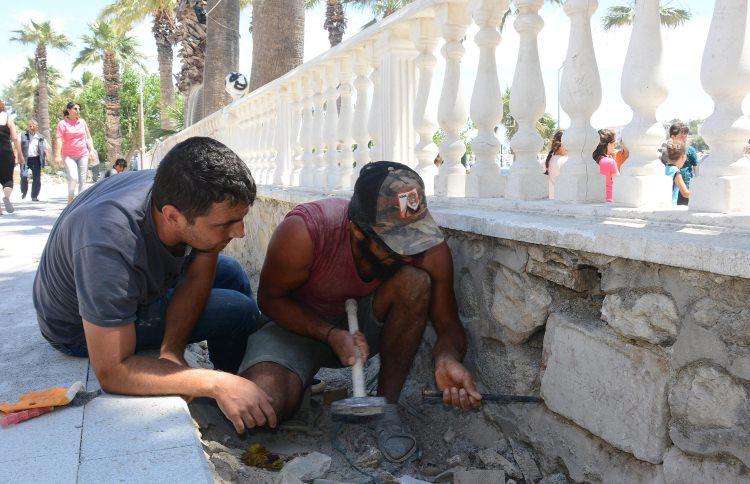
<point>678,128</point>
<point>121,162</point>
<point>675,150</point>
<point>69,106</point>
<point>199,172</point>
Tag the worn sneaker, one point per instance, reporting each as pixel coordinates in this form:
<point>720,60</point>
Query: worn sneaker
<point>8,206</point>
<point>34,199</point>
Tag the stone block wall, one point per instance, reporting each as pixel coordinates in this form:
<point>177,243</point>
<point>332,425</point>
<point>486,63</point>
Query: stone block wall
<point>644,368</point>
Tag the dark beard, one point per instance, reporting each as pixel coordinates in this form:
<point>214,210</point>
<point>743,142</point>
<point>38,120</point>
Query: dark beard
<point>378,270</point>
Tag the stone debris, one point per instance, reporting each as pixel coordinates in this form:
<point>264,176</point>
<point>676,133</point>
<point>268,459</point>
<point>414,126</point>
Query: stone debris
<point>478,476</point>
<point>558,478</point>
<point>526,462</point>
<point>306,468</point>
<point>370,458</point>
<point>449,435</point>
<point>411,480</point>
<point>329,481</point>
<point>491,458</point>
<point>648,317</point>
<point>453,460</point>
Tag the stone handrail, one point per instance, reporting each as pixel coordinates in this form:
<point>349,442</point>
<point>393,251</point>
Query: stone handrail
<point>381,80</point>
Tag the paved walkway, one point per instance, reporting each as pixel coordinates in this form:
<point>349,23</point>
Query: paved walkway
<point>111,439</point>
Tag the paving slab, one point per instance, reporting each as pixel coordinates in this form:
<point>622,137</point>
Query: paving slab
<point>55,432</point>
<point>184,465</point>
<point>61,468</point>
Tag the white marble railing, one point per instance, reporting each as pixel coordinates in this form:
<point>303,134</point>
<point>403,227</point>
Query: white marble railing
<point>291,134</point>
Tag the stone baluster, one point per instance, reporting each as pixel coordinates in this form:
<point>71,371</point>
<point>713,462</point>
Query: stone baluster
<point>263,147</point>
<point>346,117</point>
<point>642,182</point>
<point>486,103</point>
<point>330,129</point>
<point>526,180</point>
<point>318,131</point>
<point>296,131</point>
<point>722,185</point>
<point>425,38</point>
<point>361,112</point>
<point>397,76</point>
<point>252,141</point>
<point>453,19</point>
<point>580,96</point>
<point>374,122</point>
<point>307,174</point>
<point>276,130</point>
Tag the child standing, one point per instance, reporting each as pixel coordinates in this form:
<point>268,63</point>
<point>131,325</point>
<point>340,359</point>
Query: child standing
<point>604,156</point>
<point>676,156</point>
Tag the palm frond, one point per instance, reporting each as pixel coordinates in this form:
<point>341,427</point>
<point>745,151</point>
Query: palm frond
<point>618,16</point>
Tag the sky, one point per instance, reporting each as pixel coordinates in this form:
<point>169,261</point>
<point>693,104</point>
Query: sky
<point>684,47</point>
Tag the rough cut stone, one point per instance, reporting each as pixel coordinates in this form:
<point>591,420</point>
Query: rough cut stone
<point>520,305</point>
<point>554,479</point>
<point>697,343</point>
<point>506,368</point>
<point>615,390</point>
<point>586,458</point>
<point>491,458</point>
<point>683,469</point>
<point>710,413</point>
<point>624,274</point>
<point>726,314</point>
<point>514,256</point>
<point>307,467</point>
<point>648,317</point>
<point>562,268</point>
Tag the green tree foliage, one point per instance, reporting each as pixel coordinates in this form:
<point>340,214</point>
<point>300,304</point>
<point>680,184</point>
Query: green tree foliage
<point>622,15</point>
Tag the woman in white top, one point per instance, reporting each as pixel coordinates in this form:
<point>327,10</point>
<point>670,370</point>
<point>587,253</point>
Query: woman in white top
<point>8,156</point>
<point>556,158</point>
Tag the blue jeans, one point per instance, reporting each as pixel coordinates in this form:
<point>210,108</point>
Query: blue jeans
<point>230,316</point>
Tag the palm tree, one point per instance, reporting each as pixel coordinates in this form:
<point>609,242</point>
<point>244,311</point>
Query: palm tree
<point>278,39</point>
<point>28,83</point>
<point>112,47</point>
<point>76,86</point>
<point>622,15</point>
<point>335,22</point>
<point>125,13</point>
<point>43,36</point>
<point>222,51</point>
<point>191,34</point>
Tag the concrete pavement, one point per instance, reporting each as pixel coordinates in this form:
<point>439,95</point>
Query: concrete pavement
<point>112,438</point>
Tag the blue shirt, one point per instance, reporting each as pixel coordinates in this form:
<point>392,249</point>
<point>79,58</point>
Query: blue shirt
<point>671,171</point>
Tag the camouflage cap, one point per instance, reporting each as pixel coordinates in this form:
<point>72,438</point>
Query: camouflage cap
<point>389,203</point>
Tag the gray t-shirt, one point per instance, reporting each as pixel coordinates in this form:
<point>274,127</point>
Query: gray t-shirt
<point>102,260</point>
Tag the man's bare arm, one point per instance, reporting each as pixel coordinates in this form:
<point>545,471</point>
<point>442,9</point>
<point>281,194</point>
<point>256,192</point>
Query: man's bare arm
<point>120,370</point>
<point>456,382</point>
<point>186,305</point>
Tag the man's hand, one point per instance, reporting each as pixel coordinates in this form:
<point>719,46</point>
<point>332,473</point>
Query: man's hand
<point>58,161</point>
<point>244,403</point>
<point>343,343</point>
<point>457,384</point>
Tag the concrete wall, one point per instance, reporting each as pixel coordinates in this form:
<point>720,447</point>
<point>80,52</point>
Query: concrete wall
<point>644,368</point>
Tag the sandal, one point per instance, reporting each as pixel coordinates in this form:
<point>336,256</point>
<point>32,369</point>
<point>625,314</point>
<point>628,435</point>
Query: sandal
<point>394,440</point>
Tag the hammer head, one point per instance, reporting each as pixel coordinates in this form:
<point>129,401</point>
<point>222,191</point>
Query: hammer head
<point>356,407</point>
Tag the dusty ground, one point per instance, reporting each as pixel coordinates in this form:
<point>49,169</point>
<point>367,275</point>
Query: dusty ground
<point>448,439</point>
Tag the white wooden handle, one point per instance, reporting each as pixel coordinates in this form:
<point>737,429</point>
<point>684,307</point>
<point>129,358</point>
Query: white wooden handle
<point>358,374</point>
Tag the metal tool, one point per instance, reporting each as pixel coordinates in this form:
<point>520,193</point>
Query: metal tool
<point>360,405</point>
<point>428,394</point>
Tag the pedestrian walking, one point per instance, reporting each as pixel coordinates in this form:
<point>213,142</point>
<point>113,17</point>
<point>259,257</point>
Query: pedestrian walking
<point>604,157</point>
<point>74,147</point>
<point>35,151</point>
<point>556,158</point>
<point>8,158</point>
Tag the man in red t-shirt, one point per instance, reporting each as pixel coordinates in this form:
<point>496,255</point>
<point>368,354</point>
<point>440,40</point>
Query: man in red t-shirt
<point>384,249</point>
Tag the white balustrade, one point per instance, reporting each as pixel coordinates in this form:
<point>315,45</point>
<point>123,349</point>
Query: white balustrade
<point>643,183</point>
<point>361,112</point>
<point>526,180</point>
<point>725,74</point>
<point>374,97</point>
<point>580,96</point>
<point>307,133</point>
<point>296,136</point>
<point>425,37</point>
<point>346,117</point>
<point>453,19</point>
<point>331,125</point>
<point>486,103</point>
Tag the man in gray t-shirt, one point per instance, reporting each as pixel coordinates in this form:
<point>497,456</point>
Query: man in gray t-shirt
<point>133,263</point>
